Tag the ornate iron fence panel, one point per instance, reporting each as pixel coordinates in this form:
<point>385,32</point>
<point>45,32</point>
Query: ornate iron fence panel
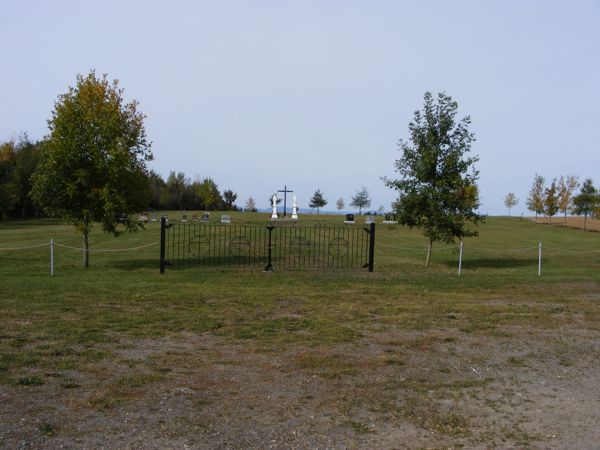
<point>267,247</point>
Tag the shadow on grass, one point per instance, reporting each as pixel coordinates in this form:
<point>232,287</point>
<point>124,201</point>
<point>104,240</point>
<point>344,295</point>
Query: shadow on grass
<point>31,223</point>
<point>135,264</point>
<point>216,263</point>
<point>494,263</point>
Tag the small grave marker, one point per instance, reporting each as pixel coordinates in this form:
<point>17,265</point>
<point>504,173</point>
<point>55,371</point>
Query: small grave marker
<point>349,219</point>
<point>390,219</point>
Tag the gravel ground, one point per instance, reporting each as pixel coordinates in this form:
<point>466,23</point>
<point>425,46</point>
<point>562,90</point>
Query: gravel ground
<point>516,388</point>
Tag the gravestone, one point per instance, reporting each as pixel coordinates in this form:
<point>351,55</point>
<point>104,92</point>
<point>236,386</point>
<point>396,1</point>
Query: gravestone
<point>143,217</point>
<point>225,218</point>
<point>194,218</point>
<point>184,218</point>
<point>153,218</point>
<point>349,219</point>
<point>295,210</point>
<point>166,218</point>
<point>369,220</point>
<point>274,213</point>
<point>205,217</point>
<point>390,219</point>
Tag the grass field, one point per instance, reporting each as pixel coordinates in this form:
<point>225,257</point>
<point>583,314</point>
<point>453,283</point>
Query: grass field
<point>119,355</point>
<point>575,222</point>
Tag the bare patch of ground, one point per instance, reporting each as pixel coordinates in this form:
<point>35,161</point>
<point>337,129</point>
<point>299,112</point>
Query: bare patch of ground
<point>513,388</point>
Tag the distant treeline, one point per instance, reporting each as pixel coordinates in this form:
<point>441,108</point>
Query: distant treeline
<point>19,159</point>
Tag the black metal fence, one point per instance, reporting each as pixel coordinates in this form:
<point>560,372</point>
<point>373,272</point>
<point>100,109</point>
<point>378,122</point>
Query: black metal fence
<point>268,247</point>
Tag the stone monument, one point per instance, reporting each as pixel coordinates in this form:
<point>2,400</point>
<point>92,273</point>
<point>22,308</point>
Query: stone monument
<point>295,209</point>
<point>274,214</point>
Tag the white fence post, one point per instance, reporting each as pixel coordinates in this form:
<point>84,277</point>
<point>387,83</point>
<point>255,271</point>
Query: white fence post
<point>460,252</point>
<point>540,260</point>
<point>51,257</point>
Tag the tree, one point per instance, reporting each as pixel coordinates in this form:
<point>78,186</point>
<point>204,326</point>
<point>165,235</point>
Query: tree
<point>535,201</point>
<point>361,199</point>
<point>176,187</point>
<point>510,200</point>
<point>340,204</point>
<point>158,191</point>
<point>250,205</point>
<point>566,187</point>
<point>551,200</point>
<point>229,198</point>
<point>437,184</point>
<point>8,194</point>
<point>209,195</point>
<point>317,200</point>
<point>587,201</point>
<point>93,166</point>
<point>18,161</point>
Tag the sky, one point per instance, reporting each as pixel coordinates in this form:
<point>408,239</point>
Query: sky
<point>317,94</point>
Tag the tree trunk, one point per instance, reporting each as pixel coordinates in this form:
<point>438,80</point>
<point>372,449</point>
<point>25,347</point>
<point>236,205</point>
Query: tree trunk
<point>565,217</point>
<point>428,258</point>
<point>86,250</point>
<point>536,217</point>
<point>584,220</point>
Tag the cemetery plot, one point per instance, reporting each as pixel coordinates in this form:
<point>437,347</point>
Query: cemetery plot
<point>267,247</point>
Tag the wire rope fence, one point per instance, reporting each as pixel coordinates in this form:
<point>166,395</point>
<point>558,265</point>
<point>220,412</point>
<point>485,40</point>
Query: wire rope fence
<point>318,247</point>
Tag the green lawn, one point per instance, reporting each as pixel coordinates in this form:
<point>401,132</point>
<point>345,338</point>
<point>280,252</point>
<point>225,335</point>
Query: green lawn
<point>79,319</point>
<point>123,293</point>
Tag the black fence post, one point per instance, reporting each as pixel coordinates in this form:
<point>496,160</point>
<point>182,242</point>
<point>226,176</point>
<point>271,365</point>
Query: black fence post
<point>163,228</point>
<point>269,266</point>
<point>371,246</point>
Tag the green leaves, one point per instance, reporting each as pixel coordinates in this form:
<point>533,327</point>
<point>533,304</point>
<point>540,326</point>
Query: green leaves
<point>437,185</point>
<point>93,166</point>
<point>317,200</point>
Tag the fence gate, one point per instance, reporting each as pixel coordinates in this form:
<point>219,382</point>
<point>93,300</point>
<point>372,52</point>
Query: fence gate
<point>268,247</point>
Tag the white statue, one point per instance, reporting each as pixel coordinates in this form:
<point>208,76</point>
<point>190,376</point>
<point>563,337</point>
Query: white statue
<point>274,214</point>
<point>294,209</point>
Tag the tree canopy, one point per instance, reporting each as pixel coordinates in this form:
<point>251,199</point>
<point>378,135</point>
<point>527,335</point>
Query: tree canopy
<point>437,185</point>
<point>535,200</point>
<point>361,199</point>
<point>250,205</point>
<point>510,200</point>
<point>566,187</point>
<point>229,198</point>
<point>317,200</point>
<point>587,201</point>
<point>93,164</point>
<point>551,200</point>
<point>18,160</point>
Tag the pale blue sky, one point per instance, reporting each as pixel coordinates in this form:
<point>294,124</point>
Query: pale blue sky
<point>316,94</point>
